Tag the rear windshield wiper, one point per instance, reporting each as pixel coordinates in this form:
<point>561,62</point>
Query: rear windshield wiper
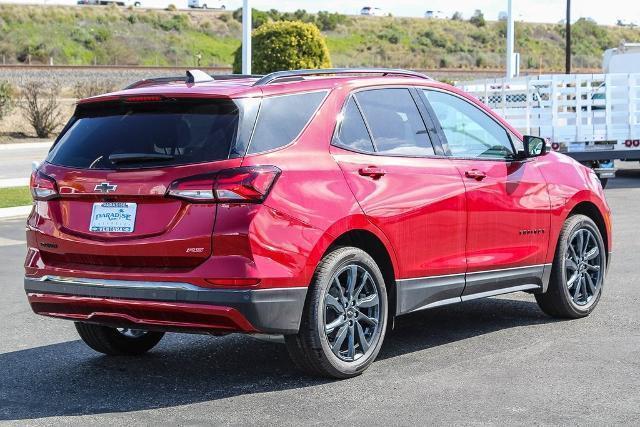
<point>138,157</point>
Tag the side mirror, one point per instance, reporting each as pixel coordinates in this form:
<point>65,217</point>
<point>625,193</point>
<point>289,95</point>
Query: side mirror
<point>534,146</point>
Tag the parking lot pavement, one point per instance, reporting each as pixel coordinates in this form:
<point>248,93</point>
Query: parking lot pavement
<point>16,159</point>
<point>498,361</point>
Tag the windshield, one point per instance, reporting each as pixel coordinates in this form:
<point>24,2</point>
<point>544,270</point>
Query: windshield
<point>132,135</point>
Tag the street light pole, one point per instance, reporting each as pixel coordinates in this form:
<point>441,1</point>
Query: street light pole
<point>568,40</point>
<point>510,42</point>
<point>246,37</point>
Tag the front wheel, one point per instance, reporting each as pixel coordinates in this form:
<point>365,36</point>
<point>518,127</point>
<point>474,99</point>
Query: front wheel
<point>345,316</point>
<point>577,274</point>
<point>118,341</point>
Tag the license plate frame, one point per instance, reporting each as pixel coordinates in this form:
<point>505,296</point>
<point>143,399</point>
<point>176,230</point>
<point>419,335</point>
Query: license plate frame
<point>113,217</point>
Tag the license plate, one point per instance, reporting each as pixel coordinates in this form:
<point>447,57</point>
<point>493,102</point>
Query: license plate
<point>109,217</point>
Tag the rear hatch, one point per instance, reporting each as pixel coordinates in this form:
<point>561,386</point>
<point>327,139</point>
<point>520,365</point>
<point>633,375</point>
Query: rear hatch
<point>104,190</point>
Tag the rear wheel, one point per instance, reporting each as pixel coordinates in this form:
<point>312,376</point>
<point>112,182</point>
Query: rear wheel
<point>345,317</point>
<point>118,341</point>
<point>578,271</point>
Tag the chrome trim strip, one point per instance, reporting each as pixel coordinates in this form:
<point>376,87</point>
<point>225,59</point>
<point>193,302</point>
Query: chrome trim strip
<point>120,284</point>
<point>131,284</point>
<point>440,303</point>
<point>499,292</point>
<point>507,269</point>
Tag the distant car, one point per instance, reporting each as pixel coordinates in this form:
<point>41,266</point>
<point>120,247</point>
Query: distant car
<point>135,3</point>
<point>207,4</point>
<point>434,14</point>
<point>373,11</point>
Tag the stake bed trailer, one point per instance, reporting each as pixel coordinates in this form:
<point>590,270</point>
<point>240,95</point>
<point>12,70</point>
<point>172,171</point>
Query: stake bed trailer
<point>593,118</point>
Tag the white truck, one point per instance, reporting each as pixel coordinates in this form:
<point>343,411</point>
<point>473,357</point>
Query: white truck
<point>622,59</point>
<point>594,118</point>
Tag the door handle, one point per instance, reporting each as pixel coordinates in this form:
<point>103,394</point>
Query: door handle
<point>372,171</point>
<point>475,174</point>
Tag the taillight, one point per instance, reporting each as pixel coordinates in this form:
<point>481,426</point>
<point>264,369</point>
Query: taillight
<point>43,187</point>
<point>240,185</point>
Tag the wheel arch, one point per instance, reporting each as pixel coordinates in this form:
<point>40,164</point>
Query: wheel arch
<point>590,210</point>
<point>375,247</point>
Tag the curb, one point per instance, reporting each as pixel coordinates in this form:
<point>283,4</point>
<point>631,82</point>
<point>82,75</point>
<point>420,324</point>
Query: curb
<point>15,212</point>
<point>23,145</point>
<point>14,182</point>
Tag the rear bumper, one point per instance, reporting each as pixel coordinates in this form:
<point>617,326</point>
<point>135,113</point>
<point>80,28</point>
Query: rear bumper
<point>167,305</point>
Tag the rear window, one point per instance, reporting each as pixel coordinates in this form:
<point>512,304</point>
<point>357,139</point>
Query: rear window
<point>121,135</point>
<point>282,118</point>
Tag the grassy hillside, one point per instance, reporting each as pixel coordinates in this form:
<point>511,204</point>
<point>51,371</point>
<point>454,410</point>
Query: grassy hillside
<point>110,35</point>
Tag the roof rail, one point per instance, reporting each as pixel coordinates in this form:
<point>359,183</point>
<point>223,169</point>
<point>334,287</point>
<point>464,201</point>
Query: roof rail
<point>236,76</point>
<point>192,76</point>
<point>299,74</point>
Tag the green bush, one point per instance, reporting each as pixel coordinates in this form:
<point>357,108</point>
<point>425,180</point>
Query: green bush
<point>7,95</point>
<point>478,19</point>
<point>286,45</point>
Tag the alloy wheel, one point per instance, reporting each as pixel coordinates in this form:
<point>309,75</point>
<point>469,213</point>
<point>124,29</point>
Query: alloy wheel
<point>584,265</point>
<point>352,313</point>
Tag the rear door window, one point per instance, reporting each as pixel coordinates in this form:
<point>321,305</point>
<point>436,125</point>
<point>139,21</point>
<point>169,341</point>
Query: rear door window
<point>353,133</point>
<point>132,135</point>
<point>395,122</point>
<point>282,118</point>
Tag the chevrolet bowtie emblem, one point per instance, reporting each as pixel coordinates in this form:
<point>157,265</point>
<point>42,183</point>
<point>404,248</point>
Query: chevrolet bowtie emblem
<point>105,187</point>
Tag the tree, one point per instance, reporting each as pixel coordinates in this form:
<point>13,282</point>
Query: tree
<point>286,45</point>
<point>41,106</point>
<point>457,16</point>
<point>7,94</point>
<point>478,19</point>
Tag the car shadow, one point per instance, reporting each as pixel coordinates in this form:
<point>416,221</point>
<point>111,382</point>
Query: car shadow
<point>68,379</point>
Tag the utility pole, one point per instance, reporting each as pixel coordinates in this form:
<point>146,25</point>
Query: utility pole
<point>510,41</point>
<point>568,40</point>
<point>246,37</point>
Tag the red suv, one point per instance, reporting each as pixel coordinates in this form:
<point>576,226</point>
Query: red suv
<point>316,204</point>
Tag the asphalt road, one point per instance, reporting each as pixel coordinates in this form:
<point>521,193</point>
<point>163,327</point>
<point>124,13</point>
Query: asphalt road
<point>15,162</point>
<point>497,361</point>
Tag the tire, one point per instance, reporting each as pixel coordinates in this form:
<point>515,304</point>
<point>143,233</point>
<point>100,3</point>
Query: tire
<point>570,269</point>
<point>357,338</point>
<point>116,342</point>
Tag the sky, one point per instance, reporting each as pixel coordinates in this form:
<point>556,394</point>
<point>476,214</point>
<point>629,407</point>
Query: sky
<point>602,11</point>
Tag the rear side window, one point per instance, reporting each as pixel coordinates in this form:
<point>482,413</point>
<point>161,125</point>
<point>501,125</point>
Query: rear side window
<point>131,135</point>
<point>282,118</point>
<point>353,132</point>
<point>395,122</point>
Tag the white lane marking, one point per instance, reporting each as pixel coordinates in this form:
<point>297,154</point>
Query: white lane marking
<point>10,242</point>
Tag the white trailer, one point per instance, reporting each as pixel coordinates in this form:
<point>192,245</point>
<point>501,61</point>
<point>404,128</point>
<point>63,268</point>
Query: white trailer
<point>594,118</point>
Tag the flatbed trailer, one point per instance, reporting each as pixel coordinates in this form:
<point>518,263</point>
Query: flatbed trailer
<point>593,118</point>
